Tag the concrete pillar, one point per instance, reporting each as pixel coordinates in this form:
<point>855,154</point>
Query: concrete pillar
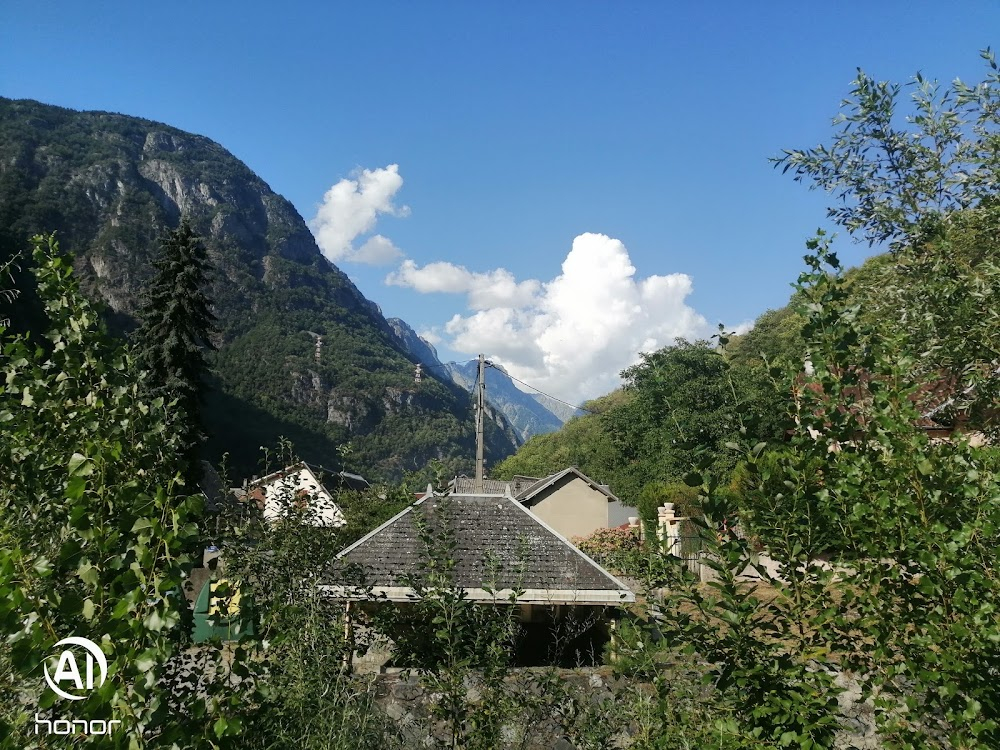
<point>668,529</point>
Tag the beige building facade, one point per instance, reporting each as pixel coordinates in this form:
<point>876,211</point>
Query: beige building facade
<point>569,501</point>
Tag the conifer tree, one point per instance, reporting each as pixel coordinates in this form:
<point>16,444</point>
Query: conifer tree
<point>176,323</point>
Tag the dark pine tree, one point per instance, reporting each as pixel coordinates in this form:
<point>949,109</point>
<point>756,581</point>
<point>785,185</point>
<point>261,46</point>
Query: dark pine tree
<point>176,323</point>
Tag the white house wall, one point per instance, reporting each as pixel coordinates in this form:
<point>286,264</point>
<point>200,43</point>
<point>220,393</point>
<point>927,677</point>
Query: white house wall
<point>281,494</point>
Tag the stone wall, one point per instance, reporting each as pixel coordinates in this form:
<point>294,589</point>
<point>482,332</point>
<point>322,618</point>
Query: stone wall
<point>557,707</point>
<point>536,724</point>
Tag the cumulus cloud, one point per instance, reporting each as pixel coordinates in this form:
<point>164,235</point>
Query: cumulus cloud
<point>570,336</point>
<point>351,208</point>
<point>431,336</point>
<point>485,290</point>
<point>377,251</point>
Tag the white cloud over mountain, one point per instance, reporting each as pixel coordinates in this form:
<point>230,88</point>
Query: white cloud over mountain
<point>570,336</point>
<point>350,209</point>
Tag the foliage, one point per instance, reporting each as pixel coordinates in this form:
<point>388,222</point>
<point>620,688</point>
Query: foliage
<point>580,442</point>
<point>668,703</point>
<point>904,183</point>
<point>908,615</point>
<point>920,516</point>
<point>687,399</point>
<point>604,542</point>
<point>774,341</point>
<point>927,188</point>
<point>452,641</point>
<point>8,286</point>
<point>107,182</point>
<point>294,689</point>
<point>94,531</point>
<point>655,494</point>
<point>177,324</point>
<point>778,489</point>
<point>680,400</point>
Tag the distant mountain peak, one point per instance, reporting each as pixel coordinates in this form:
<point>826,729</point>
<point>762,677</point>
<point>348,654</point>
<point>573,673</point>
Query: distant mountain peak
<point>301,352</point>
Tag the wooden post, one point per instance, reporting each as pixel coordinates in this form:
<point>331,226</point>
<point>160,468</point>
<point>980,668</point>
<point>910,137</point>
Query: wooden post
<point>613,651</point>
<point>480,419</point>
<point>348,640</point>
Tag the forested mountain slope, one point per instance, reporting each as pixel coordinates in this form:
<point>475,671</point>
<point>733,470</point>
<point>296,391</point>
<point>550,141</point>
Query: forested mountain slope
<point>301,352</point>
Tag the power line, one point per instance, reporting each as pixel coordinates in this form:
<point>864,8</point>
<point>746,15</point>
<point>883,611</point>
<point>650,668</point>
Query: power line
<point>528,385</point>
<point>445,364</point>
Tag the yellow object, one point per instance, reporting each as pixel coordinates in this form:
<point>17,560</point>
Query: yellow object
<point>232,601</point>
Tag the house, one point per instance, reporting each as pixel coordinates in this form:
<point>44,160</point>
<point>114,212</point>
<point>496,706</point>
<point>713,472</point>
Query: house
<point>569,501</point>
<point>298,487</point>
<point>503,555</point>
<point>944,411</point>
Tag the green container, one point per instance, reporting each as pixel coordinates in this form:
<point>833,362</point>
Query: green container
<point>227,618</point>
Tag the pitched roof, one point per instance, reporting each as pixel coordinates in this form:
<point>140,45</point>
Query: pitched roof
<point>524,488</point>
<point>276,491</point>
<point>519,483</point>
<point>529,493</point>
<point>499,545</point>
<point>464,485</point>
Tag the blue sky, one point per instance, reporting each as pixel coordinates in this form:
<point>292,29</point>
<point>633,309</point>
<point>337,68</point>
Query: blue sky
<point>541,150</point>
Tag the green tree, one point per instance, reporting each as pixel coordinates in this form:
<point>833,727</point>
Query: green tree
<point>175,330</point>
<point>903,180</point>
<point>581,442</point>
<point>683,403</point>
<point>912,617</point>
<point>925,184</point>
<point>93,527</point>
<point>8,289</point>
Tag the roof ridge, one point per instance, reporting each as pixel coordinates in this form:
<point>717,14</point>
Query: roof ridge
<point>568,543</point>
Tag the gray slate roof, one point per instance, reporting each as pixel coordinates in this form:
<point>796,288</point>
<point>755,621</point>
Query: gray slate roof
<point>467,485</point>
<point>525,488</point>
<point>530,555</point>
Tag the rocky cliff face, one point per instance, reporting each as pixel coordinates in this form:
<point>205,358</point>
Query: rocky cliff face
<point>424,352</point>
<point>559,410</point>
<point>527,415</point>
<point>302,353</point>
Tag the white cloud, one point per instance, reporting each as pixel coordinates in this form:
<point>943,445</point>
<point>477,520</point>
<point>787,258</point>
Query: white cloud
<point>434,277</point>
<point>431,336</point>
<point>377,251</point>
<point>570,336</point>
<point>485,290</point>
<point>351,208</point>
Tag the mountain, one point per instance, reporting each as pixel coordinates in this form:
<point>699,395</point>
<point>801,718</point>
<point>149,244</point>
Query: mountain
<point>413,344</point>
<point>527,416</point>
<point>301,352</point>
<point>559,410</point>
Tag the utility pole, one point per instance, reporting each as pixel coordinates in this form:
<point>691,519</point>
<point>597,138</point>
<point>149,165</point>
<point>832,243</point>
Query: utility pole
<point>480,419</point>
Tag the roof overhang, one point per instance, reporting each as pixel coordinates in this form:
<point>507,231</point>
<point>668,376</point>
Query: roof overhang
<point>578,597</point>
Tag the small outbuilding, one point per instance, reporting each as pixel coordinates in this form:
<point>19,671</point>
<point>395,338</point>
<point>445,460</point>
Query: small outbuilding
<point>502,554</point>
